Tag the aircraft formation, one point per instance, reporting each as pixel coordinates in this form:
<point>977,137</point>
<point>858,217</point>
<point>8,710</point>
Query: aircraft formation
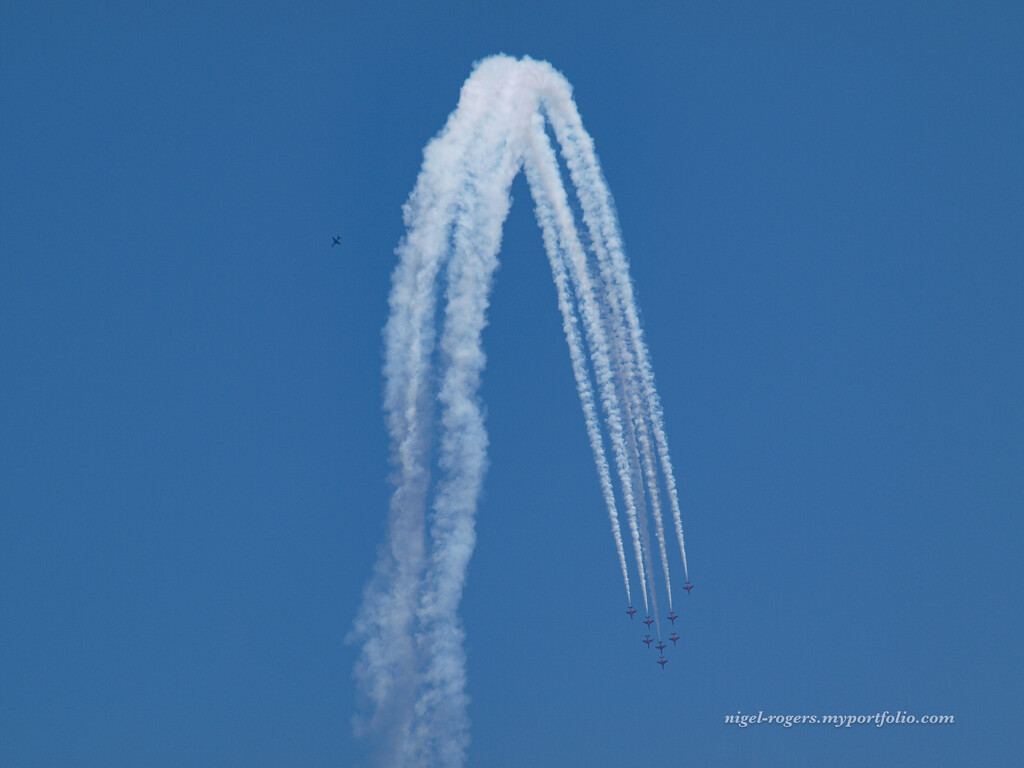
<point>648,620</point>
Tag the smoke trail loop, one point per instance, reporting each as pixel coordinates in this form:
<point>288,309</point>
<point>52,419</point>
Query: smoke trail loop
<point>411,669</point>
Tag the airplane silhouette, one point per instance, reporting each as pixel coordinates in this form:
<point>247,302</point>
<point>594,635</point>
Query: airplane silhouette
<point>661,647</point>
<point>672,617</point>
<point>674,638</point>
<point>663,661</point>
<point>688,587</point>
<point>648,639</point>
<point>648,621</point>
<point>631,610</point>
<point>337,241</point>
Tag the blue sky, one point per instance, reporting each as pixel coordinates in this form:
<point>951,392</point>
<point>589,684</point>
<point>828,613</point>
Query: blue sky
<point>822,207</point>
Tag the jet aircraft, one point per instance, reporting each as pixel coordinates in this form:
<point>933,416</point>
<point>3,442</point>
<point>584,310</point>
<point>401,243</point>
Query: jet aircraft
<point>337,241</point>
<point>661,647</point>
<point>672,617</point>
<point>688,587</point>
<point>648,621</point>
<point>663,661</point>
<point>631,611</point>
<point>648,639</point>
<point>674,638</point>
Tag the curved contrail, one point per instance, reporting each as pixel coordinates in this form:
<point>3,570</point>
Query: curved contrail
<point>411,669</point>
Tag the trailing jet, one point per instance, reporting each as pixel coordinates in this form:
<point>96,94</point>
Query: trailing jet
<point>631,611</point>
<point>674,638</point>
<point>648,621</point>
<point>648,639</point>
<point>688,587</point>
<point>672,617</point>
<point>337,241</point>
<point>661,647</point>
<point>663,661</point>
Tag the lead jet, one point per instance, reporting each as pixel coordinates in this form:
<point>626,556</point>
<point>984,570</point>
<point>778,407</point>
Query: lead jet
<point>688,587</point>
<point>337,241</point>
<point>661,647</point>
<point>672,617</point>
<point>674,638</point>
<point>631,611</point>
<point>648,639</point>
<point>648,621</point>
<point>663,661</point>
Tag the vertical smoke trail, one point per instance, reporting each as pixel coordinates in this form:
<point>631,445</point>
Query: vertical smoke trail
<point>570,132</point>
<point>568,238</point>
<point>440,728</point>
<point>652,486</point>
<point>539,149</point>
<point>642,458</point>
<point>637,420</point>
<point>599,215</point>
<point>388,671</point>
<point>411,669</point>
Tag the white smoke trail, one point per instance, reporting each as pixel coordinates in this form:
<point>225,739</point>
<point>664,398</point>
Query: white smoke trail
<point>440,728</point>
<point>577,150</point>
<point>652,486</point>
<point>564,226</point>
<point>599,215</point>
<point>388,667</point>
<point>638,435</point>
<point>412,666</point>
<point>539,150</point>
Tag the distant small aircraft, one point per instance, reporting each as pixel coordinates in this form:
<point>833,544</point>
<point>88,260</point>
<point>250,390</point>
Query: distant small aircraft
<point>337,241</point>
<point>674,638</point>
<point>648,639</point>
<point>631,611</point>
<point>648,621</point>
<point>663,661</point>
<point>672,617</point>
<point>688,587</point>
<point>661,647</point>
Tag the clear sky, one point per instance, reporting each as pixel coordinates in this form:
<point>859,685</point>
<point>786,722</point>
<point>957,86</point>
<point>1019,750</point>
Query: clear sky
<point>822,205</point>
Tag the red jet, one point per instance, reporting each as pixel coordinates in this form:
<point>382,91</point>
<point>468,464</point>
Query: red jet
<point>674,638</point>
<point>631,611</point>
<point>647,639</point>
<point>648,621</point>
<point>663,661</point>
<point>688,587</point>
<point>672,617</point>
<point>661,647</point>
